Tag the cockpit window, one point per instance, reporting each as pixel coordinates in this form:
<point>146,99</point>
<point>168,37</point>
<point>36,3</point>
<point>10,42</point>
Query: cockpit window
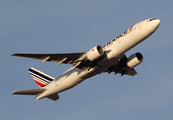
<point>152,19</point>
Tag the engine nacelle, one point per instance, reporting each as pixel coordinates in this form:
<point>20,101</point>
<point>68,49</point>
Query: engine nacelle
<point>95,53</point>
<point>134,60</point>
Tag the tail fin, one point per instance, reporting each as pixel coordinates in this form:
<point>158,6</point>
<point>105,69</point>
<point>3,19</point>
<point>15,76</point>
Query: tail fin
<point>40,78</point>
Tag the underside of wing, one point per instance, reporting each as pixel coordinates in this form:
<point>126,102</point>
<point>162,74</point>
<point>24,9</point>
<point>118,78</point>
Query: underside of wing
<point>76,59</point>
<point>67,58</point>
<point>122,68</point>
<point>128,71</point>
<point>83,60</point>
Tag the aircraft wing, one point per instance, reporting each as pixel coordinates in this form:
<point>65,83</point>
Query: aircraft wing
<point>67,58</point>
<point>127,71</point>
<point>78,60</point>
<point>122,68</point>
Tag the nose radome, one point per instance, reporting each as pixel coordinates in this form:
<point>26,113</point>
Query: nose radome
<point>155,23</point>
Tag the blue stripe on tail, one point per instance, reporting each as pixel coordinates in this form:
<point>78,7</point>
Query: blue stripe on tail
<point>41,75</point>
<point>40,78</point>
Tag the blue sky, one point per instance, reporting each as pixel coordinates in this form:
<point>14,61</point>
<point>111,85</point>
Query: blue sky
<point>77,26</point>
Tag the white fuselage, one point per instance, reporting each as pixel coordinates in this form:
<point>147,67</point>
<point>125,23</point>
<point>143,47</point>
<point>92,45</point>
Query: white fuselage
<point>117,47</point>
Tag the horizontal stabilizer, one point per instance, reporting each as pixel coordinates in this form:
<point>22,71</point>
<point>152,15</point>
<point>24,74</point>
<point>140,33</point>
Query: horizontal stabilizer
<point>53,97</point>
<point>29,92</point>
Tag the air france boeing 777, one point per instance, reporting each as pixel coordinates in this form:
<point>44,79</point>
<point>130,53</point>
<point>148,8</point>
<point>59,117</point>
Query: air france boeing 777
<point>108,58</point>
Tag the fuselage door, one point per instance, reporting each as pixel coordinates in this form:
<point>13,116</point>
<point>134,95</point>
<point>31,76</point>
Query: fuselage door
<point>139,26</point>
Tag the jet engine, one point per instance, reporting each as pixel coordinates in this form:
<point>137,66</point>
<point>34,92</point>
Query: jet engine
<point>134,60</point>
<point>95,53</point>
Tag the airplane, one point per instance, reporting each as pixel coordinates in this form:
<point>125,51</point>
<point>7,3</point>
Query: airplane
<point>108,58</point>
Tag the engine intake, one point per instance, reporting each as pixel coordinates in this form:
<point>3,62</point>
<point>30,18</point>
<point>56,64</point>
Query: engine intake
<point>134,60</point>
<point>95,53</point>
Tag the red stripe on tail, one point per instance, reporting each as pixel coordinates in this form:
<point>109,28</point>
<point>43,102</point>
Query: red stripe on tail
<point>40,84</point>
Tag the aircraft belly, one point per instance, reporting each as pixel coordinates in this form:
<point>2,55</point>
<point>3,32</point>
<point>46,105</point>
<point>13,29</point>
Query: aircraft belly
<point>111,59</point>
<point>70,80</point>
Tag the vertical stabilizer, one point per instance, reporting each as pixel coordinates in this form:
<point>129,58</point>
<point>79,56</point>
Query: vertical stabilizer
<point>40,78</point>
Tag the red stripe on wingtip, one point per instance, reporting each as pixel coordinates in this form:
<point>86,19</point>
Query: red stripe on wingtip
<point>40,84</point>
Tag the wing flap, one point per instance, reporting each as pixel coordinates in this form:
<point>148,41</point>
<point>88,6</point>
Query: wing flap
<point>128,71</point>
<point>29,92</point>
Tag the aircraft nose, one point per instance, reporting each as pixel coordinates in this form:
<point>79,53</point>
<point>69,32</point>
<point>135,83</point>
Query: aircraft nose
<point>155,23</point>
